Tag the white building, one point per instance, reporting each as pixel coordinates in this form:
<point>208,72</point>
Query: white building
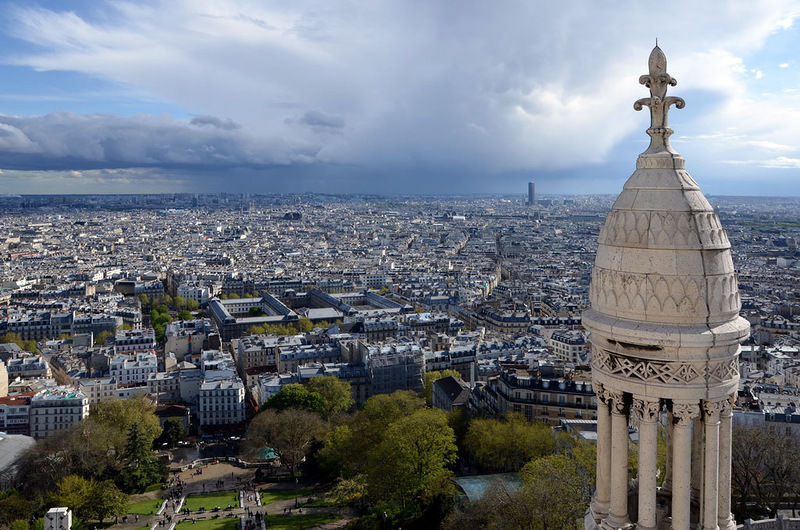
<point>98,389</point>
<point>194,291</point>
<point>133,368</point>
<point>186,337</point>
<point>134,340</point>
<point>55,409</point>
<point>58,519</point>
<point>221,402</point>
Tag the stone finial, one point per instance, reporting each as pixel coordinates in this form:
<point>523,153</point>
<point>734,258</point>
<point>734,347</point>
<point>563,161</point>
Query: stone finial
<point>657,81</point>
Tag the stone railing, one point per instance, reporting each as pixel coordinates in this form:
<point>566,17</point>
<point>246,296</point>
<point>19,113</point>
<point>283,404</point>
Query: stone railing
<point>781,523</point>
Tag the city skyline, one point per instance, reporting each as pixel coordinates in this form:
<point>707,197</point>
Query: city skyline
<point>384,98</point>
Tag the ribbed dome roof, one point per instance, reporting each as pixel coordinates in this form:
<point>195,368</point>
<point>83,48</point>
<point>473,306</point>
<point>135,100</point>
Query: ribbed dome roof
<point>663,256</point>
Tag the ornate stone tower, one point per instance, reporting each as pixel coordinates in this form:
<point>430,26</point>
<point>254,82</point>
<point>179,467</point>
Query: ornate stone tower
<point>665,332</point>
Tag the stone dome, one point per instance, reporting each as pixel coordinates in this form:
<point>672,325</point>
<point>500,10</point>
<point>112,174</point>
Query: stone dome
<point>663,285</point>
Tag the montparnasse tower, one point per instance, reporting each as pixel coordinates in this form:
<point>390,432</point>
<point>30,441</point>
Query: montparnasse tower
<point>665,332</point>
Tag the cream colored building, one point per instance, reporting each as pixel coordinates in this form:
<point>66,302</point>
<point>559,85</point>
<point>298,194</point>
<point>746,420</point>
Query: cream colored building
<point>665,333</point>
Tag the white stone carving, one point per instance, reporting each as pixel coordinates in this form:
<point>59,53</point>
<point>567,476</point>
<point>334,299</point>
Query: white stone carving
<point>665,372</point>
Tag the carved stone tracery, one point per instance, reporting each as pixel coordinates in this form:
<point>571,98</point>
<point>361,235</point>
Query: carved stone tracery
<point>663,371</point>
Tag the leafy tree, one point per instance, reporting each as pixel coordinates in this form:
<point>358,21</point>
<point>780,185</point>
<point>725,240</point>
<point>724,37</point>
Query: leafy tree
<point>289,433</point>
<point>507,444</point>
<point>192,304</point>
<point>90,499</point>
<point>255,311</point>
<point>102,337</point>
<point>335,393</point>
<point>119,415</point>
<point>349,491</point>
<point>144,300</point>
<point>430,377</point>
<point>14,338</point>
<point>185,315</point>
<point>14,506</point>
<point>295,396</point>
<point>141,466</point>
<point>556,491</point>
<point>304,325</point>
<point>65,336</point>
<point>173,432</point>
<point>179,302</point>
<point>410,464</point>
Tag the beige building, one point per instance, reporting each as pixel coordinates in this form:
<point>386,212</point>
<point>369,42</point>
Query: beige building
<point>665,333</point>
<point>3,380</point>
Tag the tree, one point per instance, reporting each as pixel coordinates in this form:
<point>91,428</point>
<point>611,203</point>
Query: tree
<point>174,431</point>
<point>335,393</point>
<point>179,302</point>
<point>141,466</point>
<point>556,490</point>
<point>102,337</point>
<point>192,304</point>
<point>410,464</point>
<point>118,415</point>
<point>304,325</point>
<point>13,507</point>
<point>255,311</point>
<point>295,396</point>
<point>430,377</point>
<point>14,338</point>
<point>507,444</point>
<point>289,433</point>
<point>144,300</point>
<point>185,315</point>
<point>90,499</point>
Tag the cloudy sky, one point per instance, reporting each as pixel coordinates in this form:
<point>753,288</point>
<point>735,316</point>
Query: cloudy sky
<point>389,96</point>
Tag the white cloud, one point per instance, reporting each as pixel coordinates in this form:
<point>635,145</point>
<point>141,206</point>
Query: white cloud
<point>477,88</point>
<point>783,65</point>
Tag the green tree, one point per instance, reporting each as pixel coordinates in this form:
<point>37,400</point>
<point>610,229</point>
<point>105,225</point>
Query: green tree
<point>144,300</point>
<point>557,493</point>
<point>14,338</point>
<point>410,464</point>
<point>304,325</point>
<point>290,433</point>
<point>185,315</point>
<point>141,467</point>
<point>173,432</point>
<point>65,336</point>
<point>255,311</point>
<point>119,415</point>
<point>501,445</point>
<point>102,337</point>
<point>14,506</point>
<point>107,501</point>
<point>335,393</point>
<point>74,492</point>
<point>179,302</point>
<point>192,304</point>
<point>430,377</point>
<point>295,396</point>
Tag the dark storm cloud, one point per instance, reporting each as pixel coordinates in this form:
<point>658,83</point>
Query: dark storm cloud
<point>220,123</point>
<point>65,140</point>
<point>316,118</point>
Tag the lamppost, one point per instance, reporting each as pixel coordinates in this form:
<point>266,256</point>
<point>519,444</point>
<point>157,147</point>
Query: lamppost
<point>296,482</point>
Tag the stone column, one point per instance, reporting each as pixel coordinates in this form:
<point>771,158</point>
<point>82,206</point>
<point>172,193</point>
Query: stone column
<point>683,413</point>
<point>711,423</point>
<point>667,484</point>
<point>646,410</point>
<point>725,438</point>
<point>602,494</point>
<point>697,460</point>
<point>618,512</point>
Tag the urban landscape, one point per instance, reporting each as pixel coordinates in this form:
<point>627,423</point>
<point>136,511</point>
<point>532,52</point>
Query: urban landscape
<point>399,265</point>
<point>204,311</point>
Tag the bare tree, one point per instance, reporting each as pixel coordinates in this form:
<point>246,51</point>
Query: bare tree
<point>289,433</point>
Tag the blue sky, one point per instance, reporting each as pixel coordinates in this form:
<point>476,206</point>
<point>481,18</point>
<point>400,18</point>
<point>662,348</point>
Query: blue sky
<point>380,96</point>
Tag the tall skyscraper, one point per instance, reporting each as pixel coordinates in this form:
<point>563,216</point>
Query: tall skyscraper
<point>665,331</point>
<point>531,193</point>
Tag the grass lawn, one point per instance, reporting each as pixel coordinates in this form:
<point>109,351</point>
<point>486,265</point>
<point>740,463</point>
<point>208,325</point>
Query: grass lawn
<point>273,495</point>
<point>195,502</point>
<point>229,523</point>
<point>148,507</point>
<point>300,522</point>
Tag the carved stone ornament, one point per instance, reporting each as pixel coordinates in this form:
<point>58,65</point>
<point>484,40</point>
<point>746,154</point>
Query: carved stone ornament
<point>618,404</point>
<point>646,410</point>
<point>662,371</point>
<point>684,413</point>
<point>657,81</point>
<point>711,409</point>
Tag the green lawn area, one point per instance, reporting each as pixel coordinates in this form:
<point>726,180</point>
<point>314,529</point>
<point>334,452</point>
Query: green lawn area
<point>148,507</point>
<point>195,502</point>
<point>229,523</point>
<point>300,522</point>
<point>273,495</point>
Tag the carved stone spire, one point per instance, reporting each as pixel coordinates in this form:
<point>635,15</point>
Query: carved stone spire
<point>657,81</point>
